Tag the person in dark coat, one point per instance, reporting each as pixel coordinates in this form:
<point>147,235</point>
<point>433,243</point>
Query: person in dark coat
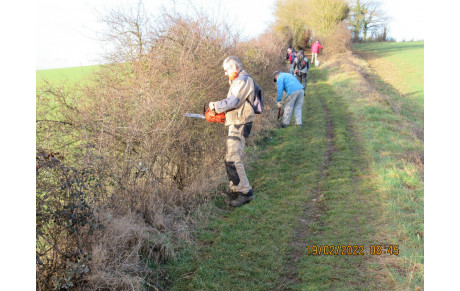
<point>301,66</point>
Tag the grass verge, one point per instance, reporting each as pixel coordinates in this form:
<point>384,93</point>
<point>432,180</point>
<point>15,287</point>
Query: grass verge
<point>391,126</point>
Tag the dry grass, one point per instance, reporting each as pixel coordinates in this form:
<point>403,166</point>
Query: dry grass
<point>119,255</point>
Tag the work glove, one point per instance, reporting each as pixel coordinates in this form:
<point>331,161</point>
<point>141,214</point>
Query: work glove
<point>212,106</point>
<point>278,104</point>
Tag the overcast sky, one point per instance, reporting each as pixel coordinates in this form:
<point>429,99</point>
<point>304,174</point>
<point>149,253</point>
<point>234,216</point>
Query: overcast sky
<point>66,31</point>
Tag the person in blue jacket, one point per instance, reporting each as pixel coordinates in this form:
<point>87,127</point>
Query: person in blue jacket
<point>294,97</point>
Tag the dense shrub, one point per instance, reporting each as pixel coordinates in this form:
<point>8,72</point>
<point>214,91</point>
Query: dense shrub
<point>339,41</point>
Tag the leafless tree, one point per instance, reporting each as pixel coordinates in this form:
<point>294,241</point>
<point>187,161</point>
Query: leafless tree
<point>367,19</point>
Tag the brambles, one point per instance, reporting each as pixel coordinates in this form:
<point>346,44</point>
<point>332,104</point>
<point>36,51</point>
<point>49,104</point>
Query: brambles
<point>65,220</point>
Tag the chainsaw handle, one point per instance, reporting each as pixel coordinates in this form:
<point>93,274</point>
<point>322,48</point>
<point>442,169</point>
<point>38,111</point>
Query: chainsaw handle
<point>204,109</point>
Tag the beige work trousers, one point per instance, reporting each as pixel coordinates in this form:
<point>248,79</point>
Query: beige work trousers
<point>314,58</point>
<point>235,169</point>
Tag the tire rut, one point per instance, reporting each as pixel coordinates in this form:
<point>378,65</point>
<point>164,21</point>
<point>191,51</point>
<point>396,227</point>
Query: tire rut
<point>314,208</point>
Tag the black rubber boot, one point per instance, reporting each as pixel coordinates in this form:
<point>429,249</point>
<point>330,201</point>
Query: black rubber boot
<point>233,195</point>
<point>242,199</point>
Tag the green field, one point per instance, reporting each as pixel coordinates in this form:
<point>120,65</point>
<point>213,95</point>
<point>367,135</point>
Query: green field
<point>66,75</point>
<point>54,89</point>
<point>400,66</point>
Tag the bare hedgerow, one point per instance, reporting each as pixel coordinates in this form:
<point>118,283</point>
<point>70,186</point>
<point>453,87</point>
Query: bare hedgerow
<point>136,114</point>
<point>152,165</point>
<point>339,41</point>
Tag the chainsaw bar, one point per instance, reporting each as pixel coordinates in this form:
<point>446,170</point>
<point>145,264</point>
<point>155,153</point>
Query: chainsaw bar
<point>194,115</point>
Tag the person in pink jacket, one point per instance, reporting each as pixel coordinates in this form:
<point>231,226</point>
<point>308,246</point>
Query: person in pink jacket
<point>314,52</point>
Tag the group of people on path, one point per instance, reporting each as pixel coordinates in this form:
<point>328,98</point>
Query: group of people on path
<point>294,83</point>
<point>239,113</point>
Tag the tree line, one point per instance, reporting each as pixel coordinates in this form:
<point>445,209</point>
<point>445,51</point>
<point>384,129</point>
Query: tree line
<point>327,20</point>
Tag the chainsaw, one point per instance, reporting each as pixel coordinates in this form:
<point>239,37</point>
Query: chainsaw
<point>209,115</point>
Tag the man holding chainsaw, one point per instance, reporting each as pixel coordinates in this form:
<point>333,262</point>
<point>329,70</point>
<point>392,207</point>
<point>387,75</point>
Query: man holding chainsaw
<point>239,115</point>
<point>294,97</point>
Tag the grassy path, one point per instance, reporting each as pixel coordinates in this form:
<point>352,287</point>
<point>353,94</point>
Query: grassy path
<point>312,190</point>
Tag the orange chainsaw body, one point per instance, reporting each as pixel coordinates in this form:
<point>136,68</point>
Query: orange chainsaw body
<point>212,116</point>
